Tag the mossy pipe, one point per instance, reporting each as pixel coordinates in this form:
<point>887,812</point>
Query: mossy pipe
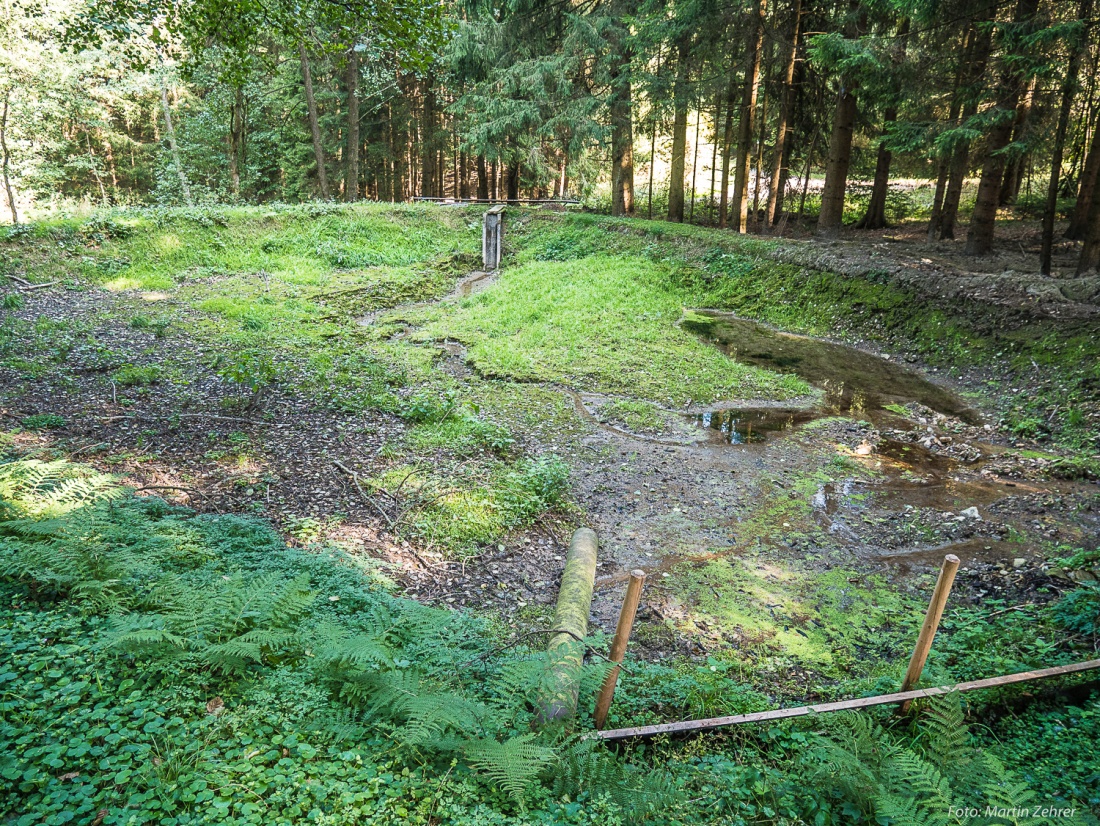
<point>558,695</point>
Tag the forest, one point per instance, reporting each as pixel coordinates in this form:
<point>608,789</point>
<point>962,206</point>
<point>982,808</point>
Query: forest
<point>550,412</point>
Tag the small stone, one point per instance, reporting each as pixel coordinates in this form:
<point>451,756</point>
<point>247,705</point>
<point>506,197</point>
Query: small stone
<point>1019,562</point>
<point>972,513</point>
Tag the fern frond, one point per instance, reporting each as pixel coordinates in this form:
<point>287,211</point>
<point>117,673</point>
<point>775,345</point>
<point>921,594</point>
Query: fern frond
<point>513,765</point>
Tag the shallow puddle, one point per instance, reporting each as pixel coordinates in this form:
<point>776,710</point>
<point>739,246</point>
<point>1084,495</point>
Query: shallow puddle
<point>740,426</point>
<point>853,380</point>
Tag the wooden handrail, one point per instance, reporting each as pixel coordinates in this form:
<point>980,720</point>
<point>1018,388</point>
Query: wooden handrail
<point>689,726</point>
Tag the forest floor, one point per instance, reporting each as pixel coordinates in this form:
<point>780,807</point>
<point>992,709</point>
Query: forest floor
<point>344,376</point>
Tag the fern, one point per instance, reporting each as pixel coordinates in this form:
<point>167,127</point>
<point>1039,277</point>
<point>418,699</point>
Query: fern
<point>919,783</point>
<point>513,765</point>
<point>227,628</point>
<point>102,556</point>
<point>37,489</point>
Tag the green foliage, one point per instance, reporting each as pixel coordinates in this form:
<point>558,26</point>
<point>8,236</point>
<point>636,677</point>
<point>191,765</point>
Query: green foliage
<point>248,372</point>
<point>533,487</point>
<point>43,421</point>
<point>425,407</point>
<point>132,375</point>
<point>1079,611</point>
<point>34,488</point>
<point>923,783</point>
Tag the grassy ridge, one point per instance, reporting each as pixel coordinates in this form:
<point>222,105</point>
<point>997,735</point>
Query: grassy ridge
<point>600,323</point>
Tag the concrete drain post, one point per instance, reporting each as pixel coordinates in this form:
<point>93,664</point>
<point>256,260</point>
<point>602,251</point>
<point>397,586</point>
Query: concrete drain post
<point>931,624</point>
<point>492,238</point>
<point>561,684</point>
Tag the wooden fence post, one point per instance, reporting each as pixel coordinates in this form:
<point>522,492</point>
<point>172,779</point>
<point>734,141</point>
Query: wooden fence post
<point>931,623</point>
<point>618,644</point>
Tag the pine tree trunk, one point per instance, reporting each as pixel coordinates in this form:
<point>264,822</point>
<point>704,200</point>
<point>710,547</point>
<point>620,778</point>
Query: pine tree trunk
<point>714,157</point>
<point>482,179</point>
<point>831,217</point>
<point>428,160</point>
<point>1069,91</point>
<point>351,177</point>
<point>622,125</point>
<point>1090,250</point>
<point>1090,176</point>
<point>513,183</point>
<point>622,152</point>
<point>314,123</point>
<point>981,43</point>
<point>782,129</point>
<point>170,133</point>
<point>875,217</point>
<point>5,157</point>
<point>236,130</point>
<point>727,146</point>
<point>979,238</point>
<point>747,116</point>
<point>1014,166</point>
<point>679,135</point>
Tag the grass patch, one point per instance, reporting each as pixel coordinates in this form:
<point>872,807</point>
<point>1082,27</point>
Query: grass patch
<point>599,323</point>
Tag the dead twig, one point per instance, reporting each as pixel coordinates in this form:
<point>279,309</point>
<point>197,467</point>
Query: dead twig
<point>362,494</point>
<point>145,418</point>
<point>172,487</point>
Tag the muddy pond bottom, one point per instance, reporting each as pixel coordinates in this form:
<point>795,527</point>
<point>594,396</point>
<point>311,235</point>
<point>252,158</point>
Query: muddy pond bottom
<point>852,380</point>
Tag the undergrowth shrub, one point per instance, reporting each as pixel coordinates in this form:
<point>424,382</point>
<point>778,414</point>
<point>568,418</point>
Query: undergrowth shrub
<point>201,608</point>
<point>936,777</point>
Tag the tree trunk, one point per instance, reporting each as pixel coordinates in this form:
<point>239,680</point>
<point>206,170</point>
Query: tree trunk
<point>351,175</point>
<point>513,183</point>
<point>6,159</point>
<point>482,179</point>
<point>747,119</point>
<point>428,160</point>
<point>782,129</point>
<point>1090,251</point>
<point>831,217</point>
<point>679,134</point>
<point>979,238</point>
<point>622,126</point>
<point>1014,166</point>
<point>1090,175</point>
<point>694,164</point>
<point>875,217</point>
<point>173,147</point>
<point>981,42</point>
<point>314,124</point>
<point>1069,91</point>
<point>236,130</point>
<point>727,146</point>
<point>714,158</point>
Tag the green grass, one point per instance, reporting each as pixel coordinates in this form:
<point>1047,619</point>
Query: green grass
<point>599,323</point>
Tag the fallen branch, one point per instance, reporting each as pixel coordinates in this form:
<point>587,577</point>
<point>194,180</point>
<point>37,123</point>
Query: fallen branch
<point>140,417</point>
